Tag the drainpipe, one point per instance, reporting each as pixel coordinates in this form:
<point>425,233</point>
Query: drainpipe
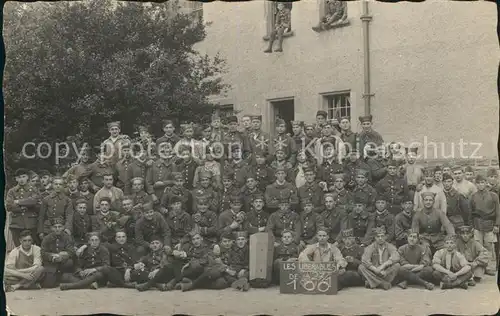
<point>366,18</point>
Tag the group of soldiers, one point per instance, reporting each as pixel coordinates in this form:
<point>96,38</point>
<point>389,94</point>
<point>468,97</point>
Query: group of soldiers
<point>178,212</point>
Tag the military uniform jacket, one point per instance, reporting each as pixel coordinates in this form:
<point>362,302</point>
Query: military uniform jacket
<point>188,170</point>
<point>457,210</point>
<point>262,173</point>
<point>180,192</point>
<point>197,256</point>
<point>248,196</point>
<point>172,140</point>
<point>286,252</point>
<point>152,260</point>
<point>226,218</point>
<point>362,223</point>
<point>53,206</point>
<point>24,215</point>
<point>207,224</point>
<point>485,210</point>
<point>225,198</point>
<point>275,192</point>
<point>97,172</point>
<point>386,220</point>
<point>334,221</point>
<point>89,197</point>
<point>145,229</point>
<point>123,176</point>
<point>283,18</point>
<point>259,142</point>
<point>180,225</point>
<point>123,256</point>
<point>369,137</point>
<point>431,223</point>
<point>285,143</point>
<point>289,220</point>
<point>73,196</point>
<point>368,194</point>
<point>209,193</point>
<point>107,225</point>
<point>233,138</point>
<point>378,169</point>
<point>473,251</point>
<point>160,171</point>
<point>94,258</point>
<point>113,146</point>
<point>239,258</point>
<point>402,223</point>
<point>393,188</point>
<point>343,200</point>
<point>82,225</point>
<point>140,198</point>
<point>350,172</point>
<point>355,251</point>
<point>256,220</point>
<point>313,192</point>
<point>301,141</point>
<point>311,223</point>
<point>416,254</point>
<point>237,169</point>
<point>138,169</point>
<point>351,138</point>
<point>328,169</point>
<point>53,244</point>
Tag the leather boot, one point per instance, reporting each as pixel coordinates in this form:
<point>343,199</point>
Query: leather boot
<point>280,44</point>
<point>271,42</point>
<point>145,286</point>
<point>82,284</point>
<point>186,286</point>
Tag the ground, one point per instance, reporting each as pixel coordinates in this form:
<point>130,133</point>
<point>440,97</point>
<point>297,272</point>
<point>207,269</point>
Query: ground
<point>484,299</point>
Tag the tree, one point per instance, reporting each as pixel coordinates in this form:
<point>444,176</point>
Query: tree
<point>73,66</point>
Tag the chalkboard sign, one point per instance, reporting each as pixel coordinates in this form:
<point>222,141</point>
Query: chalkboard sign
<point>308,278</point>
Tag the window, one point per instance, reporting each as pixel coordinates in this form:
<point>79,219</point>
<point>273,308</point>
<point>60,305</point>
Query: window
<point>271,8</point>
<point>225,110</point>
<point>332,14</point>
<point>337,104</point>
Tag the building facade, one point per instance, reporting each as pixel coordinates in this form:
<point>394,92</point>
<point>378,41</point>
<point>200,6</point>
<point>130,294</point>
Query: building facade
<point>433,69</point>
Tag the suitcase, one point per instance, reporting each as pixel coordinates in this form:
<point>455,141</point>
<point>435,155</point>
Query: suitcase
<point>261,256</point>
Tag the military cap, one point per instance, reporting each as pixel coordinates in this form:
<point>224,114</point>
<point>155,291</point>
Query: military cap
<point>438,168</point>
<point>280,122</point>
<point>428,172</point>
<point>147,206</point>
<point>142,128</point>
<point>137,179</point>
<point>256,117</point>
<point>228,175</point>
<point>22,172</point>
<point>258,196</point>
<point>105,198</point>
<point>114,124</point>
<point>57,220</point>
<point>424,194</point>
<point>202,200</point>
<point>175,199</point>
<point>447,177</point>
<point>235,147</point>
<point>205,174</point>
<point>309,169</point>
<point>307,201</point>
<point>491,172</point>
<point>215,116</point>
<point>345,118</point>
<point>379,230</point>
<point>380,197</point>
<point>465,229</point>
<point>365,118</point>
<point>309,125</point>
<point>362,172</point>
<point>227,235</point>
<point>156,238</point>
<point>280,168</point>
<point>195,231</point>
<point>450,237</point>
<point>297,123</point>
<point>44,173</point>
<point>80,201</point>
<point>232,119</point>
<point>469,169</point>
<point>411,150</point>
<point>241,234</point>
<point>234,199</point>
<point>480,178</point>
<point>322,113</point>
<point>347,233</point>
<point>32,174</point>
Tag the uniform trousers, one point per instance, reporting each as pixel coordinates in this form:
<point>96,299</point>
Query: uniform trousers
<point>55,273</point>
<point>375,280</point>
<point>443,277</point>
<point>488,240</point>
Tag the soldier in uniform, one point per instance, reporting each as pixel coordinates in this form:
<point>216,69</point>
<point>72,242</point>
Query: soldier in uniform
<point>112,146</point>
<point>361,221</point>
<point>259,140</point>
<point>477,256</point>
<point>262,172</point>
<point>393,187</point>
<point>169,137</point>
<point>413,173</point>
<point>310,131</point>
<point>57,204</point>
<point>463,186</point>
<point>311,221</point>
<point>351,164</point>
<point>457,211</point>
<point>438,176</point>
<point>403,222</point>
<point>429,186</point>
<point>321,117</point>
<point>469,174</point>
<point>280,189</point>
<point>257,217</point>
<point>365,191</point>
<point>334,219</point>
<point>281,23</point>
<point>238,262</point>
<point>151,224</point>
<point>283,141</point>
<point>415,260</point>
<point>281,162</point>
<point>311,188</point>
<point>179,222</point>
<point>85,193</point>
<point>249,191</point>
<point>139,166</point>
<point>150,264</point>
<point>234,137</point>
<point>217,133</point>
<point>205,221</point>
<point>106,222</point>
<point>122,169</point>
<point>300,138</point>
<point>212,166</point>
<point>349,138</point>
<point>343,198</point>
<point>429,221</point>
<point>46,181</point>
<point>138,195</point>
<point>352,253</point>
<point>82,223</point>
<point>206,190</point>
<point>377,162</point>
<point>228,191</point>
<point>384,218</point>
<point>58,255</point>
<point>451,268</point>
<point>145,141</point>
<point>177,190</point>
<point>368,136</point>
<point>80,169</point>
<point>236,166</point>
<point>284,219</point>
<point>71,190</point>
<point>97,170</point>
<point>159,174</point>
<point>110,191</point>
<point>285,251</point>
<point>22,201</point>
<point>130,214</point>
<point>123,258</point>
<point>233,219</point>
<point>330,166</point>
<point>297,173</point>
<point>188,141</point>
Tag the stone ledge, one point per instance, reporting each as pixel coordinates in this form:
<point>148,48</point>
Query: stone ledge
<point>287,34</point>
<point>318,29</point>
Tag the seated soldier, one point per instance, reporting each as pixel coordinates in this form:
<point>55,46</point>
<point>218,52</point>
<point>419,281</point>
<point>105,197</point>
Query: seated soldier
<point>129,216</point>
<point>287,250</point>
<point>474,252</point>
<point>58,254</point>
<point>228,191</point>
<point>257,217</point>
<point>238,261</point>
<point>284,219</point>
<point>218,266</point>
<point>352,253</point>
<point>139,196</point>
<point>23,267</point>
<point>149,265</point>
<point>428,222</point>
<point>106,222</point>
<point>311,223</point>
<point>179,222</point>
<point>451,268</point>
<point>150,224</point>
<point>82,223</point>
<point>280,190</point>
<point>205,221</point>
<point>380,262</point>
<point>402,222</point>
<point>178,190</point>
<point>249,192</point>
<point>233,219</point>
<point>415,261</point>
<point>383,218</point>
<point>207,190</point>
<point>123,259</point>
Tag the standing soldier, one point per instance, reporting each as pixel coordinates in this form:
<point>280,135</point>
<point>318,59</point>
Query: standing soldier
<point>169,137</point>
<point>259,140</point>
<point>279,190</point>
<point>97,170</point>
<point>234,137</point>
<point>187,166</point>
<point>413,172</point>
<point>403,221</point>
<point>284,219</point>
<point>457,210</point>
<point>122,169</point>
<point>349,138</point>
<point>263,173</point>
<point>57,204</point>
<point>85,193</point>
<point>22,202</point>
<point>368,136</point>
<point>139,166</point>
<point>438,176</point>
<point>334,219</point>
<point>351,164</point>
<point>281,23</point>
<point>177,190</point>
<point>112,147</point>
<point>159,175</point>
<point>109,191</point>
<point>283,141</point>
<point>393,187</point>
<point>321,117</point>
<point>375,159</point>
<point>311,221</point>
<point>311,188</point>
<point>329,167</point>
<point>46,181</point>
<point>300,138</point>
<point>72,189</point>
<point>469,174</point>
<point>80,169</point>
<point>429,186</point>
<point>365,191</point>
<point>217,133</point>
<point>257,217</point>
<point>463,186</point>
<point>280,161</point>
<point>236,166</point>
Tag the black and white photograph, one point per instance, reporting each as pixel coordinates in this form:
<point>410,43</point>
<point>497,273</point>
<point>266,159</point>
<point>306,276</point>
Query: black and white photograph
<point>251,157</point>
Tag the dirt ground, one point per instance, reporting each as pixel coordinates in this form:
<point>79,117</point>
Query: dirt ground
<point>484,299</point>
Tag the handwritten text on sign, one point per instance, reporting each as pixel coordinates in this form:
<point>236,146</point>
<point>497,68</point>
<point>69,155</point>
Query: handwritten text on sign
<point>308,278</point>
